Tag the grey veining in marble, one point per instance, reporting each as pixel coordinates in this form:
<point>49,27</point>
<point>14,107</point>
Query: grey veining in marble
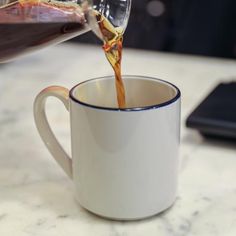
<point>36,198</point>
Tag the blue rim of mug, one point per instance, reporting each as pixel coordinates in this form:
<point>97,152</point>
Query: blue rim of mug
<point>151,107</point>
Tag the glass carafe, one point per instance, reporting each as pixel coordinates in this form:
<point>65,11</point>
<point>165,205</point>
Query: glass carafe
<point>28,25</point>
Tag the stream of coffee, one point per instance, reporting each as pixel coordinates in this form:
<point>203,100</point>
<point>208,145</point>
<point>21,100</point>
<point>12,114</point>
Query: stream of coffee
<point>113,40</point>
<point>27,25</point>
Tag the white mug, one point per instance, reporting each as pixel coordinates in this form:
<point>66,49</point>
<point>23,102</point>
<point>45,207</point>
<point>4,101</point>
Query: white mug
<point>124,162</point>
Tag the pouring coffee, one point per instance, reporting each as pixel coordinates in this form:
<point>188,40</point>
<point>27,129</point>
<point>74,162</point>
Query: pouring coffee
<point>29,25</point>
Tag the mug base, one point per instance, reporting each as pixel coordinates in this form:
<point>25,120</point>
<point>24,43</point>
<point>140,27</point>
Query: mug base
<point>145,217</point>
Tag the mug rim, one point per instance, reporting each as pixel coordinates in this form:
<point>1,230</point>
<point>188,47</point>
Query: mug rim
<point>132,109</point>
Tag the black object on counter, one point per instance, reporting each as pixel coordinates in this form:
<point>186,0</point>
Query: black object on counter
<point>216,115</point>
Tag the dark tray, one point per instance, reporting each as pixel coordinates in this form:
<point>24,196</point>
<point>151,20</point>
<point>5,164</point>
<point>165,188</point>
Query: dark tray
<point>216,115</point>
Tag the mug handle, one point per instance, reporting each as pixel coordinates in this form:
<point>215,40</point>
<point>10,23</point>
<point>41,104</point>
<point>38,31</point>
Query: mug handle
<point>44,129</point>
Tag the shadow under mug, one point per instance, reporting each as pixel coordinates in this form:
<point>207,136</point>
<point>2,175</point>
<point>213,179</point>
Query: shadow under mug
<point>124,163</point>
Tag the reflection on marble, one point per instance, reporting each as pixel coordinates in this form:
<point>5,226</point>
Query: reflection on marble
<point>36,198</point>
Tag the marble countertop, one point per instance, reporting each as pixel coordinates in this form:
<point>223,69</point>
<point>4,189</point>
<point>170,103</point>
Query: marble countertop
<point>36,198</point>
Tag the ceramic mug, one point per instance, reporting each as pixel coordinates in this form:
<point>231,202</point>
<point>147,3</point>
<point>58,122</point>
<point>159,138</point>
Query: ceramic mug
<point>124,162</point>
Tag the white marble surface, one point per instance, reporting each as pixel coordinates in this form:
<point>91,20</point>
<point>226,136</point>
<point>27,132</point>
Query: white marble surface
<point>36,198</point>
